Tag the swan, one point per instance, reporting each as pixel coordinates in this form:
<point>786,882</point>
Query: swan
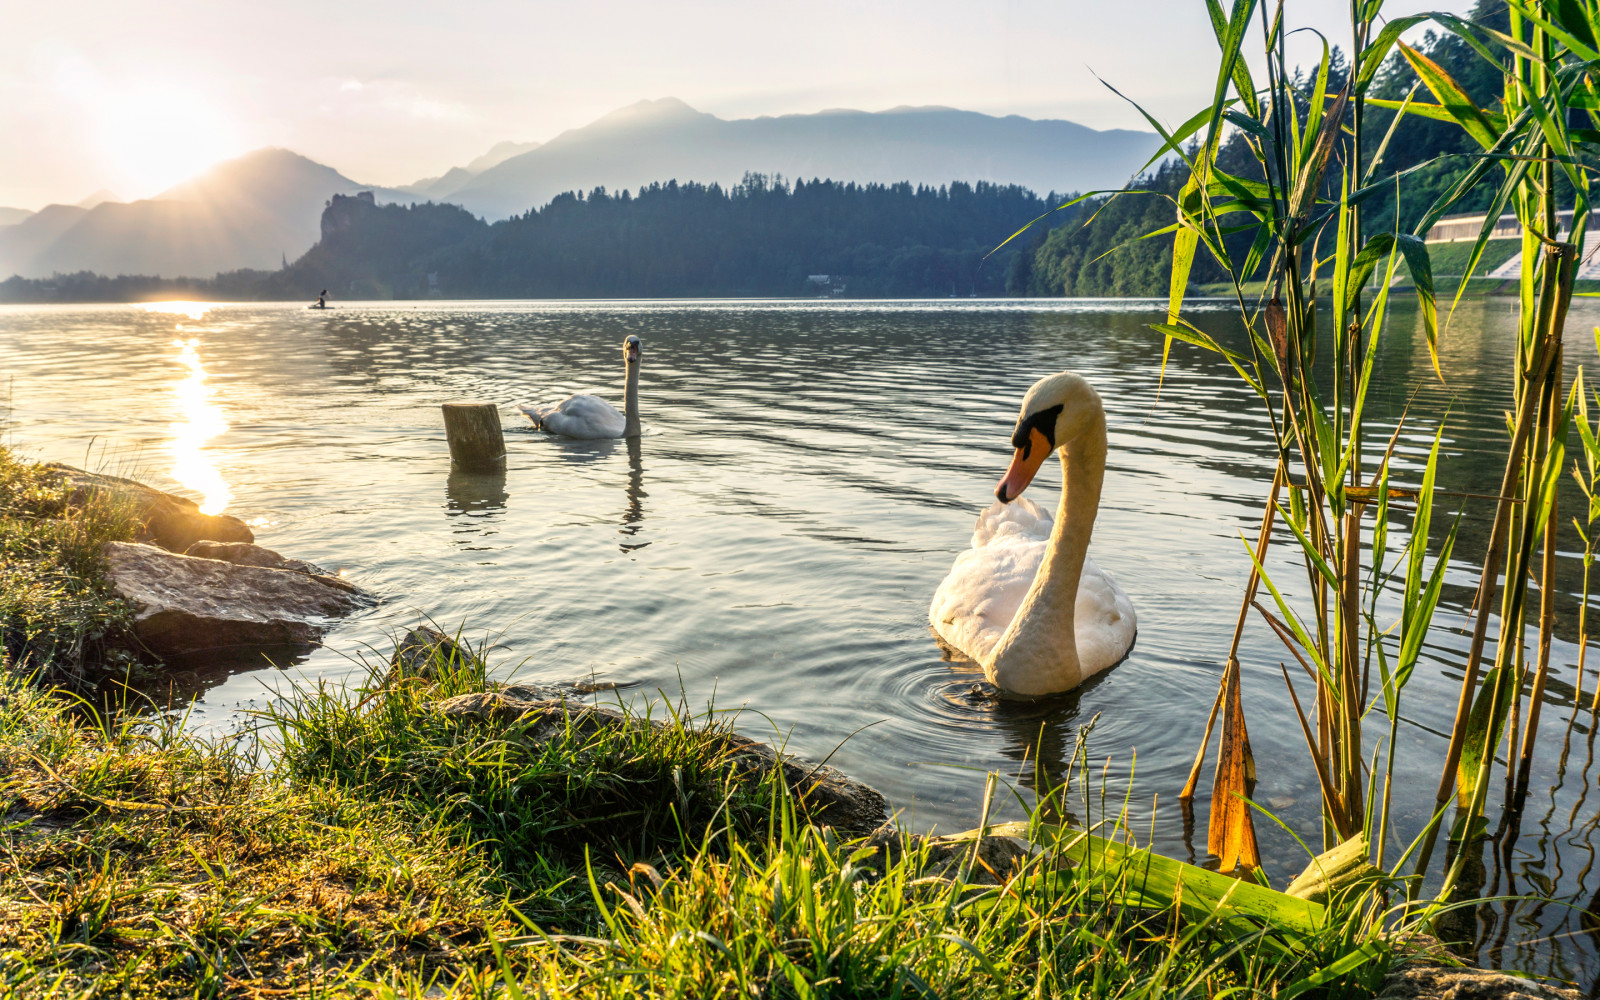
<point>584,415</point>
<point>1025,602</point>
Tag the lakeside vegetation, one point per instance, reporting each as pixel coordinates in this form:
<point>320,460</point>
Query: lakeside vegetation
<point>367,842</point>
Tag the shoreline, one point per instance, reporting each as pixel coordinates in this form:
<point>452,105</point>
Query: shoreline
<point>608,830</point>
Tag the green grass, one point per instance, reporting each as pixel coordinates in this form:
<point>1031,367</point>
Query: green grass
<point>57,617</point>
<point>362,842</point>
<point>395,851</point>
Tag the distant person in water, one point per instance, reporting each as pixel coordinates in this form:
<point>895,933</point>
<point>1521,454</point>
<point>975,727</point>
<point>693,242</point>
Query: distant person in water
<point>322,299</point>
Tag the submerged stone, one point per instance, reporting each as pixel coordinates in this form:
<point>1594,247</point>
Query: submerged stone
<point>248,554</point>
<point>1431,981</point>
<point>186,604</point>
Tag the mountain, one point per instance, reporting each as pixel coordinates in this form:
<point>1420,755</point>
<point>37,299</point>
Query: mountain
<point>458,177</point>
<point>12,216</point>
<point>666,139</point>
<point>251,212</point>
<point>100,197</point>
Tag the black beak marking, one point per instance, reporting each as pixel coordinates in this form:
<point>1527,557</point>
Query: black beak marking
<point>1044,422</point>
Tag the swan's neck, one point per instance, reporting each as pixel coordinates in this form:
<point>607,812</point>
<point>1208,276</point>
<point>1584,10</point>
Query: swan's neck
<point>1038,653</point>
<point>630,402</point>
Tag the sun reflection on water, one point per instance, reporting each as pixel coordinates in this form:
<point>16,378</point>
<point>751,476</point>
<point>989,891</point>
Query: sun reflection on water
<point>193,310</point>
<point>203,421</point>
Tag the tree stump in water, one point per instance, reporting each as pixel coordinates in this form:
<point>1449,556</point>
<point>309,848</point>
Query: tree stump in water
<point>477,443</point>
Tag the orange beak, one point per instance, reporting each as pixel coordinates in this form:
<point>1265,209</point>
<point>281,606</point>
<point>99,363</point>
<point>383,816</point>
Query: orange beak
<point>1024,464</point>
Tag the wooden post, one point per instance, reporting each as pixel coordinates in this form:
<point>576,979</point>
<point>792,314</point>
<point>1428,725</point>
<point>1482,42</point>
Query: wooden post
<point>476,442</point>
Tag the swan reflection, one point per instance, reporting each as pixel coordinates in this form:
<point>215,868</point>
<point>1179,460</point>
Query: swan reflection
<point>633,514</point>
<point>203,420</point>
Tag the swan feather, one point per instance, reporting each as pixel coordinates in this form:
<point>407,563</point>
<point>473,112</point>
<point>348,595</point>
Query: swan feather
<point>985,587</point>
<point>583,415</point>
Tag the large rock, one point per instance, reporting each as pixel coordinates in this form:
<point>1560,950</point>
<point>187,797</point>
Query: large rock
<point>246,554</point>
<point>1432,981</point>
<point>185,604</point>
<point>168,520</point>
<point>825,794</point>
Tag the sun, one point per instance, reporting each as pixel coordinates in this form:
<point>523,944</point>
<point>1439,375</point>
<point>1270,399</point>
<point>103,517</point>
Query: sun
<point>156,136</point>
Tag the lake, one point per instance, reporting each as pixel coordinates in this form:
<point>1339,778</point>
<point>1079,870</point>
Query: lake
<point>769,547</point>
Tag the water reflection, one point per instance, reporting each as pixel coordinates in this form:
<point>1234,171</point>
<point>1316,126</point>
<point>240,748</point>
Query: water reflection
<point>203,420</point>
<point>633,514</point>
<point>479,498</point>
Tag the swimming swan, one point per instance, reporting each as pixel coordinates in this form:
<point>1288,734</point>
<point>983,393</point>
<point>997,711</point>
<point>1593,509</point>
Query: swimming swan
<point>588,416</point>
<point>1026,602</point>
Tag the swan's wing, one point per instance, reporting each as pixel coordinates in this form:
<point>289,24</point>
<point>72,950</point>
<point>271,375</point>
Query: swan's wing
<point>1103,620</point>
<point>583,415</point>
<point>977,600</point>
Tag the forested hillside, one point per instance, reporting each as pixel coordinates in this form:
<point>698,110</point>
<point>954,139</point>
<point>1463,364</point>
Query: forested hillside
<point>761,237</point>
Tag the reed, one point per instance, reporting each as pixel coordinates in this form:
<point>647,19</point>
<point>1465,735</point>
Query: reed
<point>1290,226</point>
<point>1278,230</point>
<point>1530,139</point>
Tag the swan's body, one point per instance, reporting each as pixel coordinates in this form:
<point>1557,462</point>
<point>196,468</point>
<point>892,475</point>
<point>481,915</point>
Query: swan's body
<point>585,415</point>
<point>1026,602</point>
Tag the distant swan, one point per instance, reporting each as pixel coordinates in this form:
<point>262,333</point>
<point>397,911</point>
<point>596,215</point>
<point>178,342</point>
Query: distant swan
<point>1026,602</point>
<point>585,415</point>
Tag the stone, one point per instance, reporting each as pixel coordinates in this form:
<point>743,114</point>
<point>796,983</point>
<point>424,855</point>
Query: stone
<point>1434,981</point>
<point>168,520</point>
<point>825,794</point>
<point>185,604</point>
<point>247,554</point>
<point>419,652</point>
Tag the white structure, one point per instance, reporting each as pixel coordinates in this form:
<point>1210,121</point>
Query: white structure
<point>1465,228</point>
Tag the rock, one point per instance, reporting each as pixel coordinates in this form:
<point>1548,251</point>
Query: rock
<point>246,554</point>
<point>827,795</point>
<point>185,605</point>
<point>1433,981</point>
<point>170,521</point>
<point>419,653</point>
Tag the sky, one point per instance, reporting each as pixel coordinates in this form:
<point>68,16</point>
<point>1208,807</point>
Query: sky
<point>130,99</point>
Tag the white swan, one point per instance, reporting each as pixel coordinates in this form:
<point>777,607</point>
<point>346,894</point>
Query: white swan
<point>585,415</point>
<point>1026,602</point>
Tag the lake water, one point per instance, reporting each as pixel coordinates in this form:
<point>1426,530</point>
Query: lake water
<point>808,472</point>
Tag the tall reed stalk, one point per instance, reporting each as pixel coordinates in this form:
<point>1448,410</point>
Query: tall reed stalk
<point>1289,219</point>
<point>1530,140</point>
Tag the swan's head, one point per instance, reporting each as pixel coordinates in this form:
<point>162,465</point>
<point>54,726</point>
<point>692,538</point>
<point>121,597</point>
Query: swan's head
<point>630,349</point>
<point>1055,412</point>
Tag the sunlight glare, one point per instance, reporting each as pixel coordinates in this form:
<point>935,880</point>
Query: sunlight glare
<point>203,421</point>
<point>193,310</point>
<point>156,137</point>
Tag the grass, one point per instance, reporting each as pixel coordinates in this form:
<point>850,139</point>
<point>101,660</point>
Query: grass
<point>57,616</point>
<point>395,851</point>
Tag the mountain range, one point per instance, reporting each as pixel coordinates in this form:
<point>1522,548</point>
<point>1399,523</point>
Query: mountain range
<point>666,139</point>
<point>264,208</point>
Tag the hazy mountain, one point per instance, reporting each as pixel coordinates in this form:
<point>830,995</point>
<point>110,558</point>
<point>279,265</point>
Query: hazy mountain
<point>12,216</point>
<point>100,197</point>
<point>458,177</point>
<point>246,213</point>
<point>666,139</point>
<point>35,234</point>
<point>499,153</point>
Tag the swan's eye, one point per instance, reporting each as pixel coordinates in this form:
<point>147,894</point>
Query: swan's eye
<point>1044,422</point>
